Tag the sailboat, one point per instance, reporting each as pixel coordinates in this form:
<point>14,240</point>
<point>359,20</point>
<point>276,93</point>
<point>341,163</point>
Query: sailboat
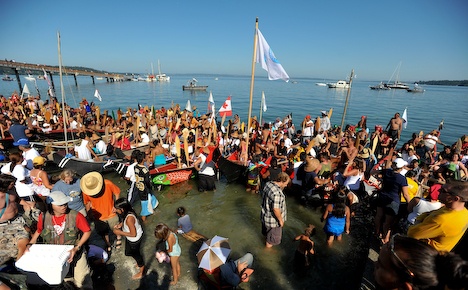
<point>396,83</point>
<point>161,77</point>
<point>151,78</point>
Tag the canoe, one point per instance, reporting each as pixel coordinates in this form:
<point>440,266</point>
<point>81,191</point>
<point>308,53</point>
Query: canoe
<point>81,167</point>
<point>233,171</point>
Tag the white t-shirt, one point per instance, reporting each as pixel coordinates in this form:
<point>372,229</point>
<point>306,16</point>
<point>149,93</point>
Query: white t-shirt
<point>28,156</point>
<point>130,174</point>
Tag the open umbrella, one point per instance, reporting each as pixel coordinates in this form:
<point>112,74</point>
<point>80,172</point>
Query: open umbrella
<point>213,253</point>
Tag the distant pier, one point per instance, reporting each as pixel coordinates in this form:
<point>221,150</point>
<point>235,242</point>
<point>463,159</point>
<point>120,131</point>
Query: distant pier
<point>50,70</point>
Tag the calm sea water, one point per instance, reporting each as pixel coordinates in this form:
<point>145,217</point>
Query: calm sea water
<point>425,110</point>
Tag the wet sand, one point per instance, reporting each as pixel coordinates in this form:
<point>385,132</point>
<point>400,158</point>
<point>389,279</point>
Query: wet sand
<point>232,212</point>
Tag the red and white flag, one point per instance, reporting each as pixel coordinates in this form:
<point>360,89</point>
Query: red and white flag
<point>226,109</point>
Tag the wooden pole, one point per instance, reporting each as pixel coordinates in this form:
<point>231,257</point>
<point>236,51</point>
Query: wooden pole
<point>252,80</point>
<point>347,99</point>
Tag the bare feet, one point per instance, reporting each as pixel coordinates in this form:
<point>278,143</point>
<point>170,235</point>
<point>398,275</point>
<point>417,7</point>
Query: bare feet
<point>173,283</point>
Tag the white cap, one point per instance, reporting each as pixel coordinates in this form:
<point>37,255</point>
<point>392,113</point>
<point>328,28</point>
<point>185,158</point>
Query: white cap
<point>399,162</point>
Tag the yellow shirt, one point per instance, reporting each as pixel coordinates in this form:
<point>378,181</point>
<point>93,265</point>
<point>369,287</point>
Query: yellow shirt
<point>443,228</point>
<point>412,189</point>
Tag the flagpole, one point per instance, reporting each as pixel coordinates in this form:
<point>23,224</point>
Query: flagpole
<point>261,108</point>
<point>252,84</point>
<point>347,99</point>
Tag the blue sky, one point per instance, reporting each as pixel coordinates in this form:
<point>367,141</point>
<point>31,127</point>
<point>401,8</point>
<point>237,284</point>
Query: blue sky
<point>316,39</point>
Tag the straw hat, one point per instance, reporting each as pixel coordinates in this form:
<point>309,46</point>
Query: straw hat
<point>95,137</point>
<point>235,134</point>
<point>91,183</point>
<point>118,135</point>
<point>311,164</point>
<point>142,129</point>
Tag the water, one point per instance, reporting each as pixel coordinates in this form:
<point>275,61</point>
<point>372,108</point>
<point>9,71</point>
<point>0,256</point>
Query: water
<point>425,110</point>
<point>230,211</point>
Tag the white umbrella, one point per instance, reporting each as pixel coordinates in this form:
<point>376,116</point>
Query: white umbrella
<point>213,253</point>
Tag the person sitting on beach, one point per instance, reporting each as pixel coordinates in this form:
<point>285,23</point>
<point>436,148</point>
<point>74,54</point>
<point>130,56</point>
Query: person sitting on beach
<point>163,233</point>
<point>235,272</point>
<point>406,263</point>
<point>184,225</point>
<point>337,217</point>
<point>100,147</point>
<point>304,249</point>
<point>85,150</point>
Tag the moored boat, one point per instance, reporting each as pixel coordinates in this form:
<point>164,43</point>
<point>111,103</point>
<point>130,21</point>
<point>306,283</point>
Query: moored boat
<point>192,86</point>
<point>7,78</point>
<point>416,89</point>
<point>381,86</point>
<point>338,85</point>
<point>81,167</point>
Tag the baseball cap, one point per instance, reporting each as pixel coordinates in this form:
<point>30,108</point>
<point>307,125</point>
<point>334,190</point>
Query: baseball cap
<point>400,162</point>
<point>21,142</point>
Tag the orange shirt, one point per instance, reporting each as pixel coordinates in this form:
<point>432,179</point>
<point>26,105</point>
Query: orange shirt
<point>103,204</point>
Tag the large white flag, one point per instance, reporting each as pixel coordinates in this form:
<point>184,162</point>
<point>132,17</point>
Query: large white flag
<point>267,58</point>
<point>97,95</point>
<point>226,109</point>
<point>211,103</point>
<point>264,102</point>
<point>188,106</point>
<point>405,119</point>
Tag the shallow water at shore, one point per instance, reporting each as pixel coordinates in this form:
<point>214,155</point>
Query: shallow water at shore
<point>232,212</point>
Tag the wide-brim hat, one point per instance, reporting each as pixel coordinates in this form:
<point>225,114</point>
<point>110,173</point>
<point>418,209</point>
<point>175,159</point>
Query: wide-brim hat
<point>91,183</point>
<point>118,135</point>
<point>142,129</point>
<point>235,134</point>
<point>311,164</point>
<point>95,137</point>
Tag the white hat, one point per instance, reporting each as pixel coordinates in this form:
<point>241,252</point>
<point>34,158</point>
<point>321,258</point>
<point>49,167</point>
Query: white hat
<point>40,118</point>
<point>58,198</point>
<point>324,112</point>
<point>400,162</point>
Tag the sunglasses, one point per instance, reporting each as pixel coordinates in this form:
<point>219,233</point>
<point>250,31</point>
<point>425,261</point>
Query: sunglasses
<point>392,249</point>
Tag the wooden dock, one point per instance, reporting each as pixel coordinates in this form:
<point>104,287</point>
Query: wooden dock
<point>50,70</point>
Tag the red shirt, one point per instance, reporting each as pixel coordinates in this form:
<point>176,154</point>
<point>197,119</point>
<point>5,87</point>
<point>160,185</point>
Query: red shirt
<point>81,222</point>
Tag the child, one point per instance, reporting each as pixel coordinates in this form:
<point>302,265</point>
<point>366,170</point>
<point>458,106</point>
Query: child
<point>337,218</point>
<point>184,225</point>
<point>306,247</point>
<point>162,232</point>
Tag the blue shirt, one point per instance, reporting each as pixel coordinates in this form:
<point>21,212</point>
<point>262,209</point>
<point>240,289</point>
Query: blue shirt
<point>72,190</point>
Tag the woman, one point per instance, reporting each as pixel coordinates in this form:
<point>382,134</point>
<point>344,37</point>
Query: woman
<point>70,186</point>
<point>388,203</point>
<point>15,168</point>
<point>131,229</point>
<point>406,263</point>
<point>337,217</point>
<point>40,179</point>
<point>354,173</point>
<point>62,226</point>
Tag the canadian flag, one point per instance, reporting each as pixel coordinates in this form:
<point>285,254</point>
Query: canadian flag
<point>226,109</point>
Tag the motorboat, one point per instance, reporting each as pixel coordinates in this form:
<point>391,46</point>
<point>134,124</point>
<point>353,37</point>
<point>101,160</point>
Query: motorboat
<point>321,84</point>
<point>162,77</point>
<point>381,86</point>
<point>416,89</point>
<point>398,85</point>
<point>339,85</point>
<point>7,78</point>
<point>192,86</point>
<point>30,78</point>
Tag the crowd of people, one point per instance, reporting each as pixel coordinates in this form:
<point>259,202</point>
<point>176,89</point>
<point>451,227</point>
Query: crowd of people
<point>413,183</point>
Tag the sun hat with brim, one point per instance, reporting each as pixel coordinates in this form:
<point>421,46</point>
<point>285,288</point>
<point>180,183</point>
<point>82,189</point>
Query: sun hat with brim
<point>364,154</point>
<point>91,183</point>
<point>39,160</point>
<point>235,134</point>
<point>21,142</point>
<point>311,164</point>
<point>142,129</point>
<point>95,137</point>
<point>58,198</point>
<point>118,135</point>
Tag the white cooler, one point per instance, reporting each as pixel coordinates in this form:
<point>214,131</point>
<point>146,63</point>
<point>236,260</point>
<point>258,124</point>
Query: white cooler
<point>49,262</point>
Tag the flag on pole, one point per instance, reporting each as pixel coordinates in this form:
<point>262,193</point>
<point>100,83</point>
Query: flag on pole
<point>25,90</point>
<point>226,109</point>
<point>211,103</point>
<point>264,102</point>
<point>267,59</point>
<point>45,77</point>
<point>405,119</point>
<point>97,95</point>
<point>188,106</point>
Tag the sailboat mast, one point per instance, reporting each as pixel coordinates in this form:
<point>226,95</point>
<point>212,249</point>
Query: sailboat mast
<point>64,113</point>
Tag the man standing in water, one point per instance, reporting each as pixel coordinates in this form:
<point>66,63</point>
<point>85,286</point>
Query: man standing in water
<point>274,211</point>
<point>394,128</point>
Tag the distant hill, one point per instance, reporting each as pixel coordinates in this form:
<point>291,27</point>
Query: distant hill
<point>444,83</point>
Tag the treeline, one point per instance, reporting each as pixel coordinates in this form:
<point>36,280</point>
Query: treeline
<point>444,83</point>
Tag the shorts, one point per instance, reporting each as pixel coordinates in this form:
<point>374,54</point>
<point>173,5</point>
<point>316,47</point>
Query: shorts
<point>273,235</point>
<point>390,206</point>
<point>103,227</point>
<point>10,234</point>
<point>206,183</point>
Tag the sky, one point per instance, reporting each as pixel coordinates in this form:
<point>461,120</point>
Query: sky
<point>313,39</point>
